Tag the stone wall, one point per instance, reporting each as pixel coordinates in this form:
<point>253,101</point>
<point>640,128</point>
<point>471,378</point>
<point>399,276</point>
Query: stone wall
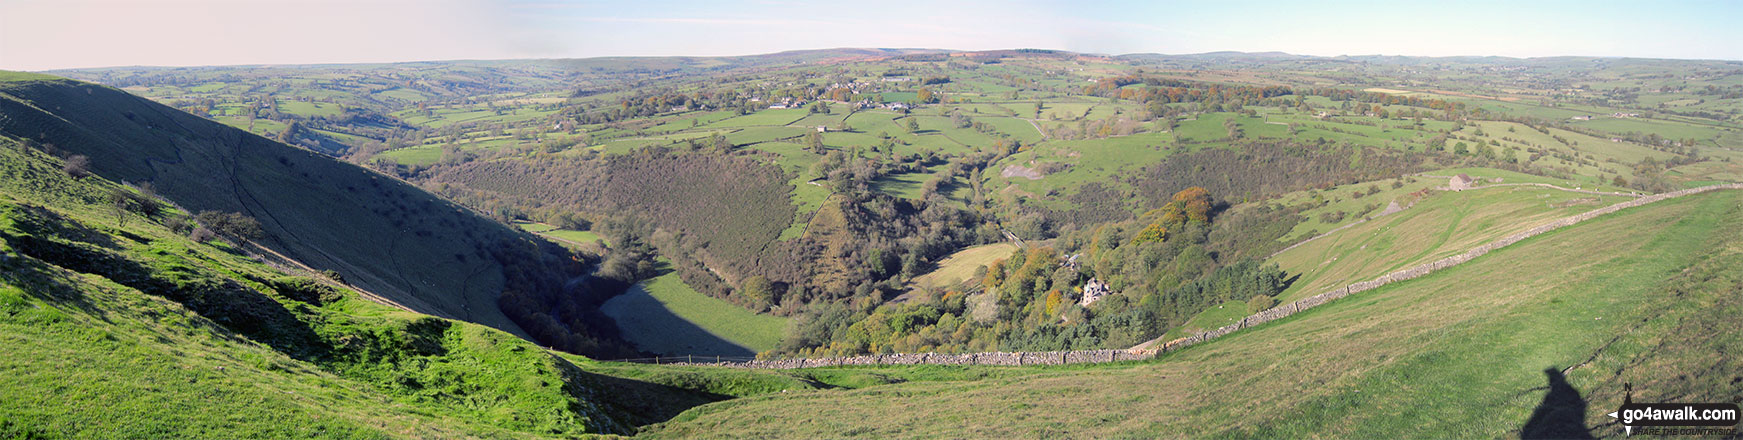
<point>1152,348</point>
<point>996,358</point>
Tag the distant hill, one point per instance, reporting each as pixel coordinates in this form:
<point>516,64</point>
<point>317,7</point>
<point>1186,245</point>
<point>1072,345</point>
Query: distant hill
<point>379,233</point>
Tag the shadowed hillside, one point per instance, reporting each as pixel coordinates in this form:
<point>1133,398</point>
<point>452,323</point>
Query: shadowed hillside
<point>377,232</point>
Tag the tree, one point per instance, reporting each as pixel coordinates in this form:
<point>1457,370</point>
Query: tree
<point>960,121</point>
<point>232,225</point>
<point>814,141</point>
<point>119,200</point>
<point>758,291</point>
<point>925,96</point>
<point>126,202</point>
<point>912,125</point>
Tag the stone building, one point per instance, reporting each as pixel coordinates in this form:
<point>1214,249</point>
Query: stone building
<point>1461,182</point>
<point>1094,290</point>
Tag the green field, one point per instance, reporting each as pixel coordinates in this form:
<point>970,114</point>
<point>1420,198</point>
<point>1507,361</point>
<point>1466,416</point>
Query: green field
<point>573,236</point>
<point>762,118</point>
<point>664,316</point>
<point>902,185</point>
<point>1444,224</point>
<point>1212,318</point>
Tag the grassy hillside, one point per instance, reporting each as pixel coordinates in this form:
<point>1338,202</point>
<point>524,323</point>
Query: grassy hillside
<point>1642,296</point>
<point>381,234</point>
<point>1443,224</point>
<point>115,324</point>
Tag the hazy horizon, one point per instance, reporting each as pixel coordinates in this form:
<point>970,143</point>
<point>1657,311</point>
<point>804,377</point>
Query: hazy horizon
<point>844,48</point>
<point>37,35</point>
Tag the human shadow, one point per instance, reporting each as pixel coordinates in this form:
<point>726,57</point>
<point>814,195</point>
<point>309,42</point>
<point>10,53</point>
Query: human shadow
<point>1561,415</point>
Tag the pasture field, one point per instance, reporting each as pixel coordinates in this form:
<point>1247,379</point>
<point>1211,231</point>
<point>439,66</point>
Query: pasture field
<point>762,118</point>
<point>573,235</point>
<point>1444,224</point>
<point>1342,206</point>
<point>902,185</point>
<point>317,109</point>
<point>419,155</point>
<point>1229,312</point>
<point>663,315</point>
<point>959,267</point>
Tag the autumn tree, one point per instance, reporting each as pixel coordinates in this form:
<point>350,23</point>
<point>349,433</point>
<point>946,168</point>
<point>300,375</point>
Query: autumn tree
<point>1189,205</point>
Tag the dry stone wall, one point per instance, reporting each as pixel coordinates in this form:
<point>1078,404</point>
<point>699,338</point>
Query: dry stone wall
<point>1152,348</point>
<point>996,358</point>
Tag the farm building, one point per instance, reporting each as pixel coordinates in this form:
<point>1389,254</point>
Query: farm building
<point>1461,182</point>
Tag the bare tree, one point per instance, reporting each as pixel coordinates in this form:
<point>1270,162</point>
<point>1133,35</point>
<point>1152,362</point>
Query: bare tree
<point>77,166</point>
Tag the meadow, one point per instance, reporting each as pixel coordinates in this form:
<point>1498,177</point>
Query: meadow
<point>663,315</point>
<point>959,267</point>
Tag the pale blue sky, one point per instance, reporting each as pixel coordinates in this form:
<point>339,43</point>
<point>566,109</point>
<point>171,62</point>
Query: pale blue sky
<point>48,34</point>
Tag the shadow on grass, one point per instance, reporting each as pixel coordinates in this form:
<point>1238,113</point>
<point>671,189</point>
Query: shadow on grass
<point>656,330</point>
<point>642,403</point>
<point>1561,415</point>
<point>646,322</point>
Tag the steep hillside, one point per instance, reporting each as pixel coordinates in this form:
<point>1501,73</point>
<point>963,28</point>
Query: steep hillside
<point>115,324</point>
<point>1552,325</point>
<point>380,234</point>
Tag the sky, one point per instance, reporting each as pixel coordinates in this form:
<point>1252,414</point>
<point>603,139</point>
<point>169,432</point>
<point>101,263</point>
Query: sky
<point>56,34</point>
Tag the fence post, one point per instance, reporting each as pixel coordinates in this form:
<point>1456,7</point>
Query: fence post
<point>690,359</point>
<point>656,360</point>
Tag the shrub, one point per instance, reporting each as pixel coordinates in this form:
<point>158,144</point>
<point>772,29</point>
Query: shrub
<point>201,234</point>
<point>179,225</point>
<point>232,225</point>
<point>77,166</point>
<point>1260,303</point>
